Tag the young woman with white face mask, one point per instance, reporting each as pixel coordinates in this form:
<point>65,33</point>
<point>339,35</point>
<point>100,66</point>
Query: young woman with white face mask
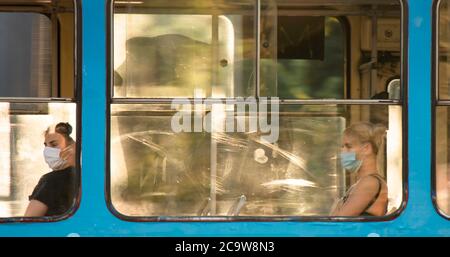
<point>56,191</point>
<point>368,196</point>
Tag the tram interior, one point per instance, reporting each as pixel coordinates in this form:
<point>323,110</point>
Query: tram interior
<point>308,50</point>
<point>302,52</point>
<point>36,62</point>
<point>442,112</point>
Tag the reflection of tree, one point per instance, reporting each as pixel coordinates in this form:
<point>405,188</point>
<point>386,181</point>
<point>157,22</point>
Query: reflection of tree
<point>166,60</point>
<point>316,78</point>
<point>301,37</point>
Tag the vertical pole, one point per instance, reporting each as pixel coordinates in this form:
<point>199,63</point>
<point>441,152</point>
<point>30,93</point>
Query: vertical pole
<point>258,47</point>
<point>374,54</point>
<point>55,48</point>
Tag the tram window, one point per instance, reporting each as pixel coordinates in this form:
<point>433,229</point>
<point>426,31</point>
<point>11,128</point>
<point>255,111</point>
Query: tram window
<point>18,68</point>
<point>442,126</point>
<point>36,49</point>
<point>158,172</point>
<point>306,52</point>
<point>37,90</point>
<point>189,156</point>
<point>443,49</point>
<point>320,76</point>
<point>176,56</point>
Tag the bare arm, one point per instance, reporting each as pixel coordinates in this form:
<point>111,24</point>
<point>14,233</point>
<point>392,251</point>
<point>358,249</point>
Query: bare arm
<point>359,198</point>
<point>36,209</point>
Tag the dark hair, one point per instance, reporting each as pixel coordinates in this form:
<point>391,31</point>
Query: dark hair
<point>63,128</point>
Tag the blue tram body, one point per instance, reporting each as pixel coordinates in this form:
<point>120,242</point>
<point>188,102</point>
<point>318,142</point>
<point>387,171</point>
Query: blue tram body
<point>418,215</point>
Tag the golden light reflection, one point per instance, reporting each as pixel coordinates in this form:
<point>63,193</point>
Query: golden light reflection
<point>23,131</point>
<point>394,144</point>
<point>119,170</point>
<point>442,164</point>
<point>202,51</point>
<point>5,179</point>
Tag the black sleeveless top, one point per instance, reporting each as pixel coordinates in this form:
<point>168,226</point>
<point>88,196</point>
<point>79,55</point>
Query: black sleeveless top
<point>374,199</point>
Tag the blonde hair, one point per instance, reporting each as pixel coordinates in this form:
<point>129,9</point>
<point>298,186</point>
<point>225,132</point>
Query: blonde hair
<point>367,132</point>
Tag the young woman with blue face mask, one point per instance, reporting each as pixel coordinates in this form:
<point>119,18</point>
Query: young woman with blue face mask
<point>368,196</point>
<point>56,191</point>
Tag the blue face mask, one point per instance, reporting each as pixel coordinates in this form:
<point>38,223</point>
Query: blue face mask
<point>349,161</point>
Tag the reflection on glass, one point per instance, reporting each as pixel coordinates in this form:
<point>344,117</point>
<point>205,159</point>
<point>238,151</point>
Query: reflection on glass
<point>305,52</point>
<point>442,112</point>
<point>444,47</point>
<point>320,75</point>
<point>22,162</point>
<point>25,55</point>
<point>442,158</point>
<point>211,48</point>
<point>157,171</point>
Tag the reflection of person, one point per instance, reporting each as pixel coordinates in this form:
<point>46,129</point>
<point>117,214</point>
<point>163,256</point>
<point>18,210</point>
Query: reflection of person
<point>368,196</point>
<point>55,192</point>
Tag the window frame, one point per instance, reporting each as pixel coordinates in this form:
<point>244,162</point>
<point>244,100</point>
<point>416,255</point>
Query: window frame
<point>436,102</point>
<point>402,102</point>
<point>76,99</point>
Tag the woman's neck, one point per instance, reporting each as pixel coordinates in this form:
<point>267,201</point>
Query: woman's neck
<point>66,167</point>
<point>368,167</point>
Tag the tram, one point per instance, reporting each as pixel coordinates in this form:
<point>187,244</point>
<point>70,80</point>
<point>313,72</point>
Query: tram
<point>225,117</point>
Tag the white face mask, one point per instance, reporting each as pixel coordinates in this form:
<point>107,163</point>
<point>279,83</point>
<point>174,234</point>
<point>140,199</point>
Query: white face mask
<point>52,158</point>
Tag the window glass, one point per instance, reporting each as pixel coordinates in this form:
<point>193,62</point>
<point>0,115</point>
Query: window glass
<point>442,112</point>
<point>38,109</point>
<point>318,76</point>
<point>25,62</point>
<point>442,158</point>
<point>22,159</point>
<point>211,50</point>
<point>211,46</point>
<point>443,49</point>
<point>157,171</point>
<point>234,135</point>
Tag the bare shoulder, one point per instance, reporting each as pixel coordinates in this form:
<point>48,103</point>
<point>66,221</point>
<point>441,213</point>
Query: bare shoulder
<point>368,183</point>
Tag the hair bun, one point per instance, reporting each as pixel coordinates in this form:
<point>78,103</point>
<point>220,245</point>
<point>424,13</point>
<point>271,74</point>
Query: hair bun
<point>379,130</point>
<point>368,132</point>
<point>64,128</point>
<point>69,128</point>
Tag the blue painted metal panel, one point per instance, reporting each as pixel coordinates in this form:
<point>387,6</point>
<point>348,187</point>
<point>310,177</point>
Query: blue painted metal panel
<point>94,219</point>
